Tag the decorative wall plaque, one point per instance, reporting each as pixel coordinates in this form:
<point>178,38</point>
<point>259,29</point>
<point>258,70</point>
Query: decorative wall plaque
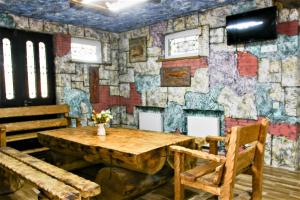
<point>138,49</point>
<point>175,76</point>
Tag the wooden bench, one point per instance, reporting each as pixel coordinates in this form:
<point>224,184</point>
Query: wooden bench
<point>55,183</point>
<point>19,125</point>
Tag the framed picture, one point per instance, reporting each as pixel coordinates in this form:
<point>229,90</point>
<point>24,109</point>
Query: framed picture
<point>175,77</point>
<point>138,49</point>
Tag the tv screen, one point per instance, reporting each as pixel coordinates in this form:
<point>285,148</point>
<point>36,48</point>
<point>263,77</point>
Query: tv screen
<point>251,26</point>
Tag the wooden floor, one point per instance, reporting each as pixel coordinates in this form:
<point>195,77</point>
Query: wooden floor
<point>278,184</point>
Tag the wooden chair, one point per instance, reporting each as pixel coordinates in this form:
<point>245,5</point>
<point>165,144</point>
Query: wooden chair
<point>217,175</point>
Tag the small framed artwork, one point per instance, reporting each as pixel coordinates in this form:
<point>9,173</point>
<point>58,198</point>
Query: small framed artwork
<point>175,77</point>
<point>138,49</point>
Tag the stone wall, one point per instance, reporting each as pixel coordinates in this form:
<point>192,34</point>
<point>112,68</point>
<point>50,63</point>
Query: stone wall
<point>244,82</point>
<point>73,78</point>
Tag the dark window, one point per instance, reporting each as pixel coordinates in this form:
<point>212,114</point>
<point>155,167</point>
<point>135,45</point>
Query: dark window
<point>26,68</point>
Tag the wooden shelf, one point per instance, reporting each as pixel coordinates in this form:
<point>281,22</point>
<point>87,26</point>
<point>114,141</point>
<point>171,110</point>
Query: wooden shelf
<point>179,58</point>
<point>19,137</point>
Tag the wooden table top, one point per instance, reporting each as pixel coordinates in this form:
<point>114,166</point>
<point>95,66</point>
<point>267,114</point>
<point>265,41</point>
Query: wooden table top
<point>132,141</point>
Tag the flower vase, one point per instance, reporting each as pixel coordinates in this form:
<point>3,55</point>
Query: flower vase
<point>101,130</point>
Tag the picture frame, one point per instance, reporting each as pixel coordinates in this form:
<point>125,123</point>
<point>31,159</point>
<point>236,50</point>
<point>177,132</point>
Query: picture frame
<point>175,76</point>
<point>138,49</point>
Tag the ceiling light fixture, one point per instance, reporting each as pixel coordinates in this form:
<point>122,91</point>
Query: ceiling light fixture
<point>122,4</point>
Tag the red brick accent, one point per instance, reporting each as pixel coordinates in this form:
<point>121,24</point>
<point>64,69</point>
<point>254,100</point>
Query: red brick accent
<point>94,84</point>
<point>62,44</point>
<point>291,131</point>
<point>247,64</point>
<point>194,63</point>
<point>288,28</point>
<point>106,101</point>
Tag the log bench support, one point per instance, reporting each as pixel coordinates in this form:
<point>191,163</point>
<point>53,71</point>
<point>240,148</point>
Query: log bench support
<point>53,182</point>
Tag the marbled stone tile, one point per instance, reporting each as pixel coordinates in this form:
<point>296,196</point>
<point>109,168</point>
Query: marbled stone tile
<point>170,27</point>
<point>264,103</point>
<point>76,31</point>
<point>7,21</point>
<point>123,42</point>
<point>263,3</point>
<point>294,14</point>
<point>204,41</point>
<point>284,153</point>
<point>91,34</point>
<point>222,70</point>
<point>63,65</point>
<point>157,97</point>
<point>151,67</point>
<point>215,17</point>
<point>36,25</point>
<point>113,77</point>
<point>216,35</point>
<point>63,80</point>
<point>114,91</point>
<point>128,77</point>
<point>192,21</point>
<point>123,59</point>
<point>21,22</point>
<point>179,24</point>
<point>292,101</point>
<point>157,33</point>
<point>173,117</point>
<point>268,150</point>
<point>291,71</point>
<point>106,52</point>
<point>276,92</point>
<point>154,52</point>
<point>238,106</point>
<point>78,101</point>
<point>125,90</point>
<point>115,111</point>
<point>139,32</point>
<point>269,71</point>
<point>53,27</point>
<point>200,81</point>
<point>284,15</point>
<point>146,82</point>
<point>176,94</point>
<point>200,101</point>
<point>243,6</point>
<point>78,76</point>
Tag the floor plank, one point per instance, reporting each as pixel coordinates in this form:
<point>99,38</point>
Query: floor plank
<point>279,184</point>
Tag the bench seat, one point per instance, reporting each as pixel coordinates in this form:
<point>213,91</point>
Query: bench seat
<point>85,188</point>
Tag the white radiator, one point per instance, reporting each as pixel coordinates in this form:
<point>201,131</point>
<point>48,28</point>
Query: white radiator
<point>201,126</point>
<point>151,121</point>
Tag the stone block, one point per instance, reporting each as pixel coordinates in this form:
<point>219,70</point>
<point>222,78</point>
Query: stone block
<point>36,25</point>
<point>86,77</point>
<point>123,60</point>
<point>78,76</point>
<point>192,21</point>
<point>294,14</point>
<point>113,77</point>
<point>123,42</point>
<point>176,94</point>
<point>174,118</point>
<point>263,3</point>
<point>106,53</point>
<point>154,52</point>
<point>77,85</point>
<point>114,91</point>
<point>146,82</point>
<point>115,111</point>
<point>104,82</point>
<point>292,101</point>
<point>63,66</point>
<point>21,22</point>
<point>140,32</point>
<point>128,77</point>
<point>103,73</point>
<point>53,27</point>
<point>76,31</point>
<point>215,17</point>
<point>284,15</point>
<point>204,41</point>
<point>284,153</point>
<point>179,24</point>
<point>170,27</point>
<point>157,97</point>
<point>238,106</point>
<point>157,32</point>
<point>200,81</point>
<point>91,34</point>
<point>125,90</point>
<point>216,35</point>
<point>276,92</point>
<point>63,80</point>
<point>291,71</point>
<point>151,67</point>
<point>7,21</point>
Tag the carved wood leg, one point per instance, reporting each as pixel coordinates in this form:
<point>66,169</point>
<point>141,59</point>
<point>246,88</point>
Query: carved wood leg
<point>179,167</point>
<point>257,181</point>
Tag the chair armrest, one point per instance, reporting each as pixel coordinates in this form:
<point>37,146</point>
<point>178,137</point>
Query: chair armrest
<point>198,154</point>
<point>215,139</point>
<point>2,136</point>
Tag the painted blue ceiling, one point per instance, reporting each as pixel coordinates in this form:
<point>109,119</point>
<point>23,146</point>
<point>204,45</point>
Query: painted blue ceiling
<point>141,15</point>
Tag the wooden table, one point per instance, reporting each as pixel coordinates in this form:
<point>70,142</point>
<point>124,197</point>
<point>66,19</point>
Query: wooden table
<point>142,151</point>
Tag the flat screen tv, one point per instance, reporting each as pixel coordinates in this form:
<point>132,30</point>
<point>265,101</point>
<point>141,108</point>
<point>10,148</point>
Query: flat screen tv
<point>251,26</point>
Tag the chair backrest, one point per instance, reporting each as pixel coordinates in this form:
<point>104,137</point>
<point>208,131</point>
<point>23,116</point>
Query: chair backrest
<point>237,158</point>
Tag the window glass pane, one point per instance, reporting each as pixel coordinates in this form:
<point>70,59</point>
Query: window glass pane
<point>43,70</point>
<point>30,70</point>
<point>7,63</point>
<point>183,45</point>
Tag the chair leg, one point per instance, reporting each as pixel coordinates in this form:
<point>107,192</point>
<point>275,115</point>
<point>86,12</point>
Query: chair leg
<point>257,181</point>
<point>178,166</point>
